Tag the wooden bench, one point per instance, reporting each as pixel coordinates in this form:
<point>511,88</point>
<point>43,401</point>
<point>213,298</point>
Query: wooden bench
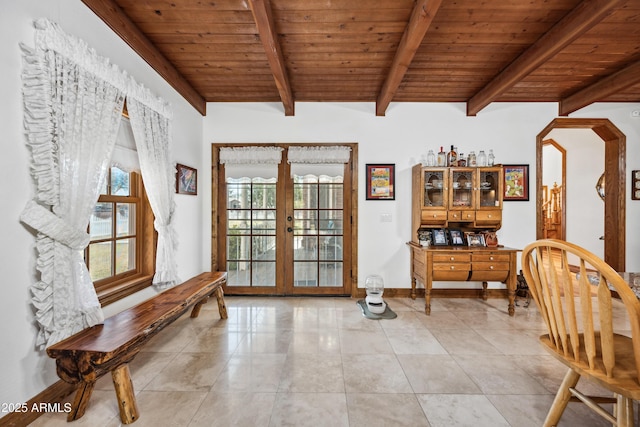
<point>86,356</point>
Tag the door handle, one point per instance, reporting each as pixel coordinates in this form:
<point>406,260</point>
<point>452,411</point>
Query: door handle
<point>289,218</point>
<point>289,229</point>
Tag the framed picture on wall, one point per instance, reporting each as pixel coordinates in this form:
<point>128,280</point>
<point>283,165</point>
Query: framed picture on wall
<point>186,180</point>
<point>516,182</point>
<point>381,181</point>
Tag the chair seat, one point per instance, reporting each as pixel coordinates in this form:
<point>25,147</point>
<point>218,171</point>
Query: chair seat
<point>625,374</point>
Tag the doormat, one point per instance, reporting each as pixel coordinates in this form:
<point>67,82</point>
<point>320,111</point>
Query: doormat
<point>387,314</point>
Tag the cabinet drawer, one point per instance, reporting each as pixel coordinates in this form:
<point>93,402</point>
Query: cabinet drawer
<point>433,216</point>
<point>462,216</point>
<point>488,216</point>
<point>489,276</point>
<point>490,257</point>
<point>449,257</point>
<point>452,272</point>
<point>490,266</point>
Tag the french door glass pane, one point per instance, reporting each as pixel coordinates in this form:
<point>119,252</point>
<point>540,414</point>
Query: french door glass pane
<point>251,231</point>
<point>318,231</point>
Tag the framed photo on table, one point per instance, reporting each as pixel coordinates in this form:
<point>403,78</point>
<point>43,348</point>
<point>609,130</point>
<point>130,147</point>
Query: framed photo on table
<point>381,181</point>
<point>475,239</point>
<point>456,237</point>
<point>516,182</point>
<point>186,180</point>
<point>439,237</point>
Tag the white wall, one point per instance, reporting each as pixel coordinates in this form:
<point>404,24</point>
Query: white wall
<point>24,370</point>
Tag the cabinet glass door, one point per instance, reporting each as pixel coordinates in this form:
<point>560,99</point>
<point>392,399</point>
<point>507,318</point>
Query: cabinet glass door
<point>461,188</point>
<point>434,189</point>
<point>489,188</point>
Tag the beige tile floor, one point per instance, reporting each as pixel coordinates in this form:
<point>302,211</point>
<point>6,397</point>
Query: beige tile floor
<point>319,362</point>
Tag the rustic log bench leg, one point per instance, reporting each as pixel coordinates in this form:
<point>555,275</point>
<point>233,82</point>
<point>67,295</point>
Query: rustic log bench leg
<point>125,395</point>
<point>81,401</point>
<point>196,308</point>
<point>222,308</point>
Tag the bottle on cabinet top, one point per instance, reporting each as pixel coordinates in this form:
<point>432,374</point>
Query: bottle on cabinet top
<point>431,158</point>
<point>482,158</point>
<point>442,158</point>
<point>452,157</point>
<point>491,159</point>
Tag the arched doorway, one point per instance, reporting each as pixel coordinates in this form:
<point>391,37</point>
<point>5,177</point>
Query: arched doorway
<point>615,170</point>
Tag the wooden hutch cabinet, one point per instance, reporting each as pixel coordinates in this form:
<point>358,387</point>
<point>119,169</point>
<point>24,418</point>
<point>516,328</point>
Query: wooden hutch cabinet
<point>468,199</point>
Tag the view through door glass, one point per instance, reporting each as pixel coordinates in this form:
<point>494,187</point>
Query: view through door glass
<point>251,232</point>
<point>318,231</point>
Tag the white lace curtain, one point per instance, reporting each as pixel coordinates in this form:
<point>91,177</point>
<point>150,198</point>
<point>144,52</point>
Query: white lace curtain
<point>151,133</point>
<point>73,101</point>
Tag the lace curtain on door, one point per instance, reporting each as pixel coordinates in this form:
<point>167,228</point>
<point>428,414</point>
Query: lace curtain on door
<point>73,101</point>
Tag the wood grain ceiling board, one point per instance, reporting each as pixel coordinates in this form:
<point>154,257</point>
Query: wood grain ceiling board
<point>344,50</point>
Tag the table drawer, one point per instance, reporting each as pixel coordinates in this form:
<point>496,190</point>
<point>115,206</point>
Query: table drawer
<point>489,275</point>
<point>490,266</point>
<point>491,257</point>
<point>452,272</point>
<point>449,257</point>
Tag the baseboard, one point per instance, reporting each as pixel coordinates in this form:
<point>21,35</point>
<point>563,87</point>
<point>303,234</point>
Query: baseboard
<point>437,292</point>
<point>41,403</point>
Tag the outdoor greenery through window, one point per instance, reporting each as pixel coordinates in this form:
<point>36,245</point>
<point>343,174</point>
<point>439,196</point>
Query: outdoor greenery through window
<point>251,232</point>
<point>114,231</point>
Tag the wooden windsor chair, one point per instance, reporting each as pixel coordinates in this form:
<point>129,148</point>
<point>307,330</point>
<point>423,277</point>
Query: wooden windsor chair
<point>581,329</point>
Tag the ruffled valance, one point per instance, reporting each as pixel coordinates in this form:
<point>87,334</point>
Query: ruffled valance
<point>250,155</point>
<point>49,36</point>
<point>319,154</point>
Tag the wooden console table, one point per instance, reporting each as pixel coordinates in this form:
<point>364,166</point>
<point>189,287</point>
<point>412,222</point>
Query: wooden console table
<point>463,264</point>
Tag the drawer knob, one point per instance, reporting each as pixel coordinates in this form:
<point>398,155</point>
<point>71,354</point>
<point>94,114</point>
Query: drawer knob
<point>452,258</point>
<point>489,215</point>
<point>434,215</point>
<point>491,267</point>
<point>452,267</point>
<point>491,258</point>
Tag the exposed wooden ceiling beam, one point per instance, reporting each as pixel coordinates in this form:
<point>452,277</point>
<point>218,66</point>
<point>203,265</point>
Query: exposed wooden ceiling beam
<point>585,15</point>
<point>264,21</point>
<point>421,17</point>
<point>114,17</point>
<point>616,82</point>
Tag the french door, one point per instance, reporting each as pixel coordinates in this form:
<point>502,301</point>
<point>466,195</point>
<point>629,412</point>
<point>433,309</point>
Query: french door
<point>286,230</point>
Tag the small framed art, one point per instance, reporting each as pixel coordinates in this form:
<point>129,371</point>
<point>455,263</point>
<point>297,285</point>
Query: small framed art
<point>439,237</point>
<point>381,181</point>
<point>475,239</point>
<point>456,237</point>
<point>186,180</point>
<point>516,182</point>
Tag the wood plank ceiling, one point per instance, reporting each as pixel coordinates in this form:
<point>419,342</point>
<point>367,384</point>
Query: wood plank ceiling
<point>473,51</point>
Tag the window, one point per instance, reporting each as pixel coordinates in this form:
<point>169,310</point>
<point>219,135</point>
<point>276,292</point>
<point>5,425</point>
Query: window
<point>121,232</point>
